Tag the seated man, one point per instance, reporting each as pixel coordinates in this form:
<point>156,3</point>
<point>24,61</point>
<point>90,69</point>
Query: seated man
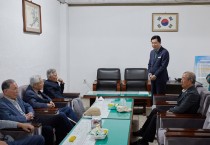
<point>15,109</point>
<point>54,86</point>
<point>188,102</point>
<point>37,99</point>
<point>28,140</point>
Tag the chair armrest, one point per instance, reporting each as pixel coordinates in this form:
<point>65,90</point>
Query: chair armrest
<point>123,83</point>
<point>168,120</point>
<point>166,103</point>
<point>175,115</point>
<point>187,130</point>
<point>20,129</point>
<point>71,95</point>
<point>118,85</point>
<point>190,134</point>
<point>183,138</point>
<point>15,133</point>
<point>12,129</point>
<point>18,133</point>
<point>95,85</point>
<point>148,85</point>
<point>36,124</point>
<point>47,111</point>
<point>62,102</point>
<point>164,107</point>
<point>65,100</point>
<point>158,98</point>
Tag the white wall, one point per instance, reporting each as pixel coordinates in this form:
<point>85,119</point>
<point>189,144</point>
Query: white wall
<point>119,36</point>
<point>25,54</point>
<point>78,40</point>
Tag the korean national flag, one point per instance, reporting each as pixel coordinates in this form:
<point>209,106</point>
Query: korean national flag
<point>164,22</point>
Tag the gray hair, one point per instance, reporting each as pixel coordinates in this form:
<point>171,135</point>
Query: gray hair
<point>35,79</point>
<point>6,84</point>
<point>191,76</point>
<point>50,72</point>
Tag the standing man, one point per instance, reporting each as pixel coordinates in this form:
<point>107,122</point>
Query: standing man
<point>157,67</point>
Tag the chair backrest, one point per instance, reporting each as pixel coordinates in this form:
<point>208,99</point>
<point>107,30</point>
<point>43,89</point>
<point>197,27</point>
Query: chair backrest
<point>22,91</point>
<point>206,104</point>
<point>108,79</point>
<point>108,74</point>
<point>198,84</point>
<point>1,95</point>
<point>77,107</point>
<point>206,124</point>
<point>203,92</point>
<point>136,79</point>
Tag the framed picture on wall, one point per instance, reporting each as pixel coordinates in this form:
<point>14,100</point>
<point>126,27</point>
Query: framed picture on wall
<point>32,17</point>
<point>165,22</point>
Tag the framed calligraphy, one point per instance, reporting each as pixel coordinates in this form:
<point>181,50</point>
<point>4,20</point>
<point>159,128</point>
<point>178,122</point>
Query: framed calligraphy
<point>32,17</point>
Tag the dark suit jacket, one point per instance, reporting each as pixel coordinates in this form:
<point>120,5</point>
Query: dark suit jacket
<point>53,89</point>
<point>9,112</point>
<point>188,102</point>
<point>158,66</point>
<point>34,100</point>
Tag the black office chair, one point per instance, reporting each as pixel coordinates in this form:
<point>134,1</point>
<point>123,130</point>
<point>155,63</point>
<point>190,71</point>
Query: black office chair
<point>135,79</point>
<point>108,79</point>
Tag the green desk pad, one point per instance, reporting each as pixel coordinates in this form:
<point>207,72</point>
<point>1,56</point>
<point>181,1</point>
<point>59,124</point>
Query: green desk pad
<point>119,132</point>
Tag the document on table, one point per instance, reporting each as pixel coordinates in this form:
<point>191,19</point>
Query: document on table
<point>82,134</point>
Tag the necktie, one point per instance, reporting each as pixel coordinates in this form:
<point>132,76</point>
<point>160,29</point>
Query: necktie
<point>156,53</point>
<point>40,94</point>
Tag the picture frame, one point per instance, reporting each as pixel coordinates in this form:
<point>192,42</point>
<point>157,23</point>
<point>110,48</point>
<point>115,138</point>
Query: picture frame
<point>31,17</point>
<point>164,22</point>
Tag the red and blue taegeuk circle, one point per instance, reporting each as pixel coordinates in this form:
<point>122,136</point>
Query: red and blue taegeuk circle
<point>164,22</point>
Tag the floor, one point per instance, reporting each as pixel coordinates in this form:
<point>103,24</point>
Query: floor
<point>137,123</point>
<point>140,119</point>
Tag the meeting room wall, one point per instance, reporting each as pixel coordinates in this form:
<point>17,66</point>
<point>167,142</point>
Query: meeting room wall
<point>25,54</point>
<point>119,37</point>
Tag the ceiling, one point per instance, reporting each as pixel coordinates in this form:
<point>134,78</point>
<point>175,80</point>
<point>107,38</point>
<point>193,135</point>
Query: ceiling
<point>77,2</point>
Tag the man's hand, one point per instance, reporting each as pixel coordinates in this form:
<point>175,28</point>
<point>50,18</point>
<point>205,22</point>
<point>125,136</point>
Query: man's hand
<point>26,127</point>
<point>51,104</point>
<point>3,143</point>
<point>60,80</point>
<point>169,112</point>
<point>152,77</point>
<point>29,116</point>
